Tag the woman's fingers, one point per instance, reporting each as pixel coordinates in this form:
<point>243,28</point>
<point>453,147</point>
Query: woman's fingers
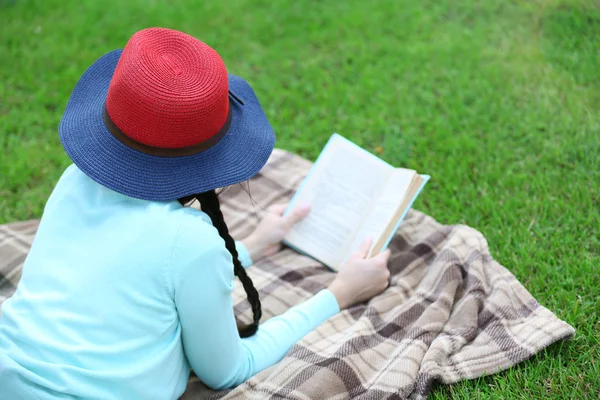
<point>278,209</point>
<point>296,215</point>
<point>363,249</point>
<point>382,258</point>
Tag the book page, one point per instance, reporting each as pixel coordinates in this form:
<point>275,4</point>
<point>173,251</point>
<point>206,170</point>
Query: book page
<point>341,188</point>
<point>384,208</point>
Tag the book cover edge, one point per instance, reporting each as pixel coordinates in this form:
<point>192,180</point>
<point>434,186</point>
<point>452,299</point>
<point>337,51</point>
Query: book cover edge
<point>426,179</point>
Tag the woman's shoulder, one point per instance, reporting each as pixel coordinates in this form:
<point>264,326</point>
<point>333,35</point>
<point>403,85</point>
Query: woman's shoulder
<point>198,245</point>
<point>195,227</point>
<point>193,216</point>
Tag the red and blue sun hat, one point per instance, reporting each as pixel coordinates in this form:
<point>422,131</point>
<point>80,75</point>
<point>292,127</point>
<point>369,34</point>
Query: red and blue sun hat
<point>162,119</point>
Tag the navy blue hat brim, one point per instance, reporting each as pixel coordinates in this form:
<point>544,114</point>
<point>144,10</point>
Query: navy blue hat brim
<point>238,156</point>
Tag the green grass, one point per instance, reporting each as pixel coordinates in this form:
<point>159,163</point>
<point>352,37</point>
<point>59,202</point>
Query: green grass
<point>498,100</point>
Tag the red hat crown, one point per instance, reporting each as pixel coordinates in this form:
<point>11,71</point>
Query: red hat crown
<point>169,90</point>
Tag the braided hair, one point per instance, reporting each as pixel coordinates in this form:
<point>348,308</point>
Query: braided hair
<point>209,202</point>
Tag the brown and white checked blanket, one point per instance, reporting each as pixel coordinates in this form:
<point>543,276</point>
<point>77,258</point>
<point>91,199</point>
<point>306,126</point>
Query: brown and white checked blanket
<point>451,312</point>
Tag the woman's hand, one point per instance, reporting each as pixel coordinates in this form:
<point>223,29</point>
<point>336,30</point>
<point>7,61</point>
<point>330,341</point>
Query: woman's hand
<point>266,238</point>
<point>361,278</point>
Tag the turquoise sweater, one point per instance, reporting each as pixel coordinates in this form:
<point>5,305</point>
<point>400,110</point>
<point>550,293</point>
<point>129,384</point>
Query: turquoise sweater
<point>120,297</point>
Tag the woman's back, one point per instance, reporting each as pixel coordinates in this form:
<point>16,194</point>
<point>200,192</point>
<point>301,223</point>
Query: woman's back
<point>93,302</point>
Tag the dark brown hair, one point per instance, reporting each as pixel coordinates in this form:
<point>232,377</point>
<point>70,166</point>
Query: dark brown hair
<point>209,202</point>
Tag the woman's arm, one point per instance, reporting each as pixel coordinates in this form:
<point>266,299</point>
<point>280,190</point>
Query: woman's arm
<point>203,282</point>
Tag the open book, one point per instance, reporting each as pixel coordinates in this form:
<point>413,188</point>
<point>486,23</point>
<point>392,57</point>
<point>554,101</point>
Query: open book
<point>353,194</point>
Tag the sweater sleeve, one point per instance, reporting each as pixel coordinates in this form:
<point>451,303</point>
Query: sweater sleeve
<point>243,254</point>
<point>203,285</point>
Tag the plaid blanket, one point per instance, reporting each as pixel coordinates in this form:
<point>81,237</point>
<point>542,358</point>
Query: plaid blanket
<point>450,313</point>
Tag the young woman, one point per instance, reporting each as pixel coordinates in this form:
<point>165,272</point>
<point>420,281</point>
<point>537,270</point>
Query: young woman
<point>126,288</point>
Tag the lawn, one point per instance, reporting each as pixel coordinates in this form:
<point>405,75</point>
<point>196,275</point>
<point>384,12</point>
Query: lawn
<point>498,100</point>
